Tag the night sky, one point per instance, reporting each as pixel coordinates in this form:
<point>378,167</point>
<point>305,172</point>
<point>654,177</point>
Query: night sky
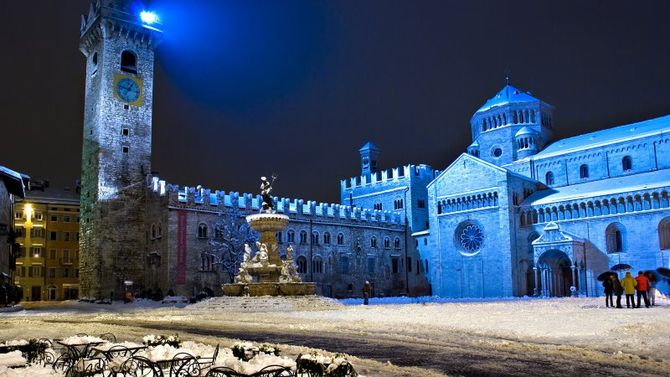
<point>247,88</point>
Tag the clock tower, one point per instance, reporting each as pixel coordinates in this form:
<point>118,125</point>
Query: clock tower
<point>118,46</point>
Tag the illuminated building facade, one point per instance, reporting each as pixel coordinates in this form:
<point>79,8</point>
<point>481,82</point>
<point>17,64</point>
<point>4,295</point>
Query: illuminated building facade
<point>47,226</point>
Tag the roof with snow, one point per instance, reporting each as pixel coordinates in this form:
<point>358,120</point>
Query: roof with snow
<point>507,95</point>
<point>13,181</point>
<point>603,187</point>
<point>608,136</point>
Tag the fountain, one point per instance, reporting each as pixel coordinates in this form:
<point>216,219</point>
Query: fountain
<point>266,274</point>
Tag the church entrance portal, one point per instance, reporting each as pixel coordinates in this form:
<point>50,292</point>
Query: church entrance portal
<point>554,274</point>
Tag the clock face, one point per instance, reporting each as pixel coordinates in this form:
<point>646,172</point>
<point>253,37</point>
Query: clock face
<point>366,162</point>
<point>128,90</point>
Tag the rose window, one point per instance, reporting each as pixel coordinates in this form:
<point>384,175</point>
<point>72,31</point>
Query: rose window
<point>471,238</point>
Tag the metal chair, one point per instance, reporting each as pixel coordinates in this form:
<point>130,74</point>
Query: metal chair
<point>207,362</point>
<point>345,369</point>
<point>309,368</point>
<point>184,365</point>
<point>138,366</point>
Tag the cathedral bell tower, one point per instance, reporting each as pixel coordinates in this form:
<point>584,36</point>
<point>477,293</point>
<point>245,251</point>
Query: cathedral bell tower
<point>118,44</point>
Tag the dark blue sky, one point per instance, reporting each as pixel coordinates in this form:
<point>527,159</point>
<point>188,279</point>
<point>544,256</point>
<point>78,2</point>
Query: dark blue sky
<point>306,83</point>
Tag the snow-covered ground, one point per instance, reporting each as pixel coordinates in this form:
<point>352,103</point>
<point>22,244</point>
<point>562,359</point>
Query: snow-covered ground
<point>548,332</point>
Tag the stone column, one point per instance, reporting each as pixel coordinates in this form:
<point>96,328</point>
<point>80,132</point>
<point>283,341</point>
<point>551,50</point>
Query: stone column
<point>536,280</point>
<point>574,279</point>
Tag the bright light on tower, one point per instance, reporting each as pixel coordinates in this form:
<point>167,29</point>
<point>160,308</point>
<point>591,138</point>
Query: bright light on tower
<point>148,17</point>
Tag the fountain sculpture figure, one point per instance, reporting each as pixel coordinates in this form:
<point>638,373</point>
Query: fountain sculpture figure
<point>266,274</point>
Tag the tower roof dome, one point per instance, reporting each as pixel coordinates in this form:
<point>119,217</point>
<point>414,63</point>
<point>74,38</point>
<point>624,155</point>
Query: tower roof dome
<point>525,131</point>
<point>507,95</point>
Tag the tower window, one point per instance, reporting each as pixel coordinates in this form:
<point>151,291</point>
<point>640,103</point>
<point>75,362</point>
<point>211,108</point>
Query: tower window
<point>125,150</point>
<point>627,163</point>
<point>584,171</point>
<point>94,59</point>
<point>125,132</point>
<point>128,62</point>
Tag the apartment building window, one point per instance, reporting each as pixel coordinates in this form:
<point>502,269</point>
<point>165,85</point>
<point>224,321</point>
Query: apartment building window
<point>52,272</point>
<point>52,254</point>
<point>54,218</point>
<point>66,257</point>
<point>66,272</point>
<point>53,236</point>
<point>66,219</point>
<point>37,232</point>
<point>18,215</point>
<point>39,216</point>
<point>37,252</point>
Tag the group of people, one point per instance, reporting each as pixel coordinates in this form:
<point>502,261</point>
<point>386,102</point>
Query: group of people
<point>644,285</point>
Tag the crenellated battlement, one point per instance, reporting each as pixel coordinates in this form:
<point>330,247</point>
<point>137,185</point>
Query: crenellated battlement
<point>398,174</point>
<point>200,197</point>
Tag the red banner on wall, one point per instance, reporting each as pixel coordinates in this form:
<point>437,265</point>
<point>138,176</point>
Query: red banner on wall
<point>181,247</point>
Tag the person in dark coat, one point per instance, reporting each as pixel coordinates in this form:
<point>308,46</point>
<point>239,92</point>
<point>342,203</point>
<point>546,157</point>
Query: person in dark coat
<point>366,292</point>
<point>609,292</point>
<point>618,290</point>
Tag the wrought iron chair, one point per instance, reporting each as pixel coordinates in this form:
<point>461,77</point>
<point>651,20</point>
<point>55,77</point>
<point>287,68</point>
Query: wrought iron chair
<point>184,365</point>
<point>207,362</point>
<point>87,367</point>
<point>138,366</point>
<point>268,371</point>
<point>116,357</point>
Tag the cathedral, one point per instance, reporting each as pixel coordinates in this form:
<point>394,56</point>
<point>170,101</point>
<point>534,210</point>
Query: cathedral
<point>519,214</point>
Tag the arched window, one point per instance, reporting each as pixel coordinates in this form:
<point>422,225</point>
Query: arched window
<point>128,61</point>
<point>315,238</point>
<point>303,237</point>
<point>584,171</point>
<point>373,241</point>
<point>664,233</point>
<point>627,163</point>
<point>302,265</point>
<point>160,231</point>
<point>377,206</point>
<point>340,239</point>
<point>279,237</point>
<point>396,243</point>
<point>326,238</point>
<point>153,231</point>
<point>290,235</point>
<point>202,230</point>
<point>614,236</point>
<point>317,265</point>
<point>549,178</point>
<point>387,243</point>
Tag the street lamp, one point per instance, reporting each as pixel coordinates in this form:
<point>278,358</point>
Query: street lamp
<point>148,17</point>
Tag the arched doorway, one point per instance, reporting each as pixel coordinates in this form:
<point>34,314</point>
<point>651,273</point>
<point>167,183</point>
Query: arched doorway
<point>555,274</point>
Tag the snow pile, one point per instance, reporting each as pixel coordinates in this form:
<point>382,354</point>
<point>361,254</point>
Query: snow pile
<point>16,342</point>
<point>403,300</point>
<point>175,300</point>
<point>13,358</point>
<point>107,346</point>
<point>254,365</point>
<point>32,371</point>
<point>267,304</point>
<point>81,339</point>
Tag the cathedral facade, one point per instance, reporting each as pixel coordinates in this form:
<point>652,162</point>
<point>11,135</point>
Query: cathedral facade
<point>518,214</point>
<point>523,214</point>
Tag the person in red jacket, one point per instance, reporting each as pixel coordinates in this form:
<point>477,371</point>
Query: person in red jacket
<point>642,287</point>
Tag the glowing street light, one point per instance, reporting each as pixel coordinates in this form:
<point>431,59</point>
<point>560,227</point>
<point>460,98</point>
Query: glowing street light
<point>149,18</point>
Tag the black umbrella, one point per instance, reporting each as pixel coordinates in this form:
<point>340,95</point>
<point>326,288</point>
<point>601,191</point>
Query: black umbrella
<point>605,275</point>
<point>664,271</point>
<point>652,275</point>
<point>621,267</point>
